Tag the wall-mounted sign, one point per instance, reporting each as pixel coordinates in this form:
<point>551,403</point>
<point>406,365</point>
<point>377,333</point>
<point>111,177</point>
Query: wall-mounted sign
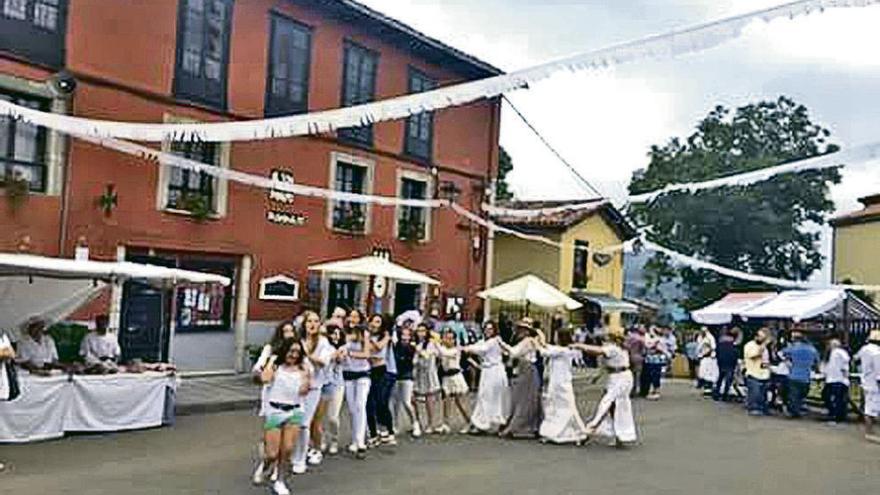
<point>380,284</point>
<point>284,176</point>
<point>280,201</point>
<point>279,288</point>
<point>285,218</point>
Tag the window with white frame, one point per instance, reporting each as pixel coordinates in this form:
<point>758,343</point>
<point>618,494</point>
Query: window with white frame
<point>279,288</point>
<point>23,150</point>
<point>413,222</point>
<point>196,193</point>
<point>350,174</point>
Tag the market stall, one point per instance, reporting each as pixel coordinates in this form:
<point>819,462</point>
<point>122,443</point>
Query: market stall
<point>50,289</point>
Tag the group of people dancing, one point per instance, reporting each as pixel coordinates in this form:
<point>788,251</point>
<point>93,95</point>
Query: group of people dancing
<point>386,370</point>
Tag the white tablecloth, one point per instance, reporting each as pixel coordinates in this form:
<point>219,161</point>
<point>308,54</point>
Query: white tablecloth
<point>50,406</point>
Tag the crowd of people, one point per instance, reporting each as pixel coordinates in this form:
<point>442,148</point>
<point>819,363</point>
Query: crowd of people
<point>778,373</point>
<point>396,373</point>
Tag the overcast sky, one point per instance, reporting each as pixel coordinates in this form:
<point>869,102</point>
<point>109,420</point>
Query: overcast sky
<point>605,122</point>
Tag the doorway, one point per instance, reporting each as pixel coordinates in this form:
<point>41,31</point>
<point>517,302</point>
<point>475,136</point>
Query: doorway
<point>406,297</point>
<point>343,294</point>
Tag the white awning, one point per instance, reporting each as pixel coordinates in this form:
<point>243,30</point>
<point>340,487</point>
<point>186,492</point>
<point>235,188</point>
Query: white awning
<point>374,266</point>
<point>722,311</point>
<point>608,303</point>
<point>63,268</point>
<point>531,289</point>
<point>797,305</point>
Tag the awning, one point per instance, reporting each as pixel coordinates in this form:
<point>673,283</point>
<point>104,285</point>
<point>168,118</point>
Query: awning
<point>53,288</point>
<point>533,290</point>
<point>721,312</point>
<point>63,268</point>
<point>608,303</point>
<point>797,305</point>
<point>374,266</point>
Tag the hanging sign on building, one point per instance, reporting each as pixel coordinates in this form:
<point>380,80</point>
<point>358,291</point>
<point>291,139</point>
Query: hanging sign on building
<point>380,285</point>
<point>280,202</point>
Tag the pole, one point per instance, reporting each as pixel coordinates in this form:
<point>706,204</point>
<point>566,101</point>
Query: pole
<point>241,314</point>
<point>490,256</point>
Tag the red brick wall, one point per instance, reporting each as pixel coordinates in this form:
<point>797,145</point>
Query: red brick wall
<point>123,53</point>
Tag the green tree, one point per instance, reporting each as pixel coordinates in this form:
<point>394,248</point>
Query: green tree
<point>505,165</point>
<point>762,228</point>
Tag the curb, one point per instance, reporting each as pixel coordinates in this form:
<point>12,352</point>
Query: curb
<point>215,407</point>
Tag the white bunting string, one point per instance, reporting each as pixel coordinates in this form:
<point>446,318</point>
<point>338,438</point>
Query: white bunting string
<point>500,211</point>
<point>694,39</point>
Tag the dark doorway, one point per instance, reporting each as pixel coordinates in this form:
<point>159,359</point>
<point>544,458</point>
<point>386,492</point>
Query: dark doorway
<point>342,294</point>
<point>406,297</point>
<point>144,330</point>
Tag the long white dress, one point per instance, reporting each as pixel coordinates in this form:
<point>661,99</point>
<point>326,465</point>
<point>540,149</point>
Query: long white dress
<point>493,403</point>
<point>619,422</point>
<point>708,370</point>
<point>562,421</point>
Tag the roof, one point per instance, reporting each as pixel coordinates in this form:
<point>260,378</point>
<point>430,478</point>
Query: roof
<point>606,302</point>
<point>406,37</point>
<point>564,218</point>
<point>870,213</point>
<point>723,310</point>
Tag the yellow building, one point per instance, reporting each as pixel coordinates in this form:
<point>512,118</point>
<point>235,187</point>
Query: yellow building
<point>857,244</point>
<point>595,280</point>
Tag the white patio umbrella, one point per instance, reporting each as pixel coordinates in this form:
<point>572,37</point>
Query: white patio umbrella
<point>374,266</point>
<point>531,289</point>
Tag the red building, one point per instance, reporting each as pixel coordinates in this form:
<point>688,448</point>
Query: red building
<point>221,60</point>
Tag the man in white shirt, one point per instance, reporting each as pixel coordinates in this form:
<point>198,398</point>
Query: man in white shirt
<point>836,391</point>
<point>869,355</point>
<point>101,348</point>
<point>36,351</point>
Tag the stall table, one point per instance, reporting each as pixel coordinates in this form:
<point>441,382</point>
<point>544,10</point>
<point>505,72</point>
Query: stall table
<point>51,406</point>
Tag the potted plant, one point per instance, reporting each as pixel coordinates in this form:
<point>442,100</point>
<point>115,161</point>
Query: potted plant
<point>351,220</point>
<point>411,229</point>
<point>197,205</point>
<point>17,188</point>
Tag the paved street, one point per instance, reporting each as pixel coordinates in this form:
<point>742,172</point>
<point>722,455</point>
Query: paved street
<point>690,445</point>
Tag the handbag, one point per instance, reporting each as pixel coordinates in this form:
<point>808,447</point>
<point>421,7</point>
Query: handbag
<point>11,381</point>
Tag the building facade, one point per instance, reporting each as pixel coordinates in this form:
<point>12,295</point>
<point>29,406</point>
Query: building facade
<point>226,60</point>
<point>596,280</point>
<point>857,244</point>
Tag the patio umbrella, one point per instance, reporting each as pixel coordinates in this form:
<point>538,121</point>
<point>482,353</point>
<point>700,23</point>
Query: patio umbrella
<point>530,289</point>
<point>374,266</point>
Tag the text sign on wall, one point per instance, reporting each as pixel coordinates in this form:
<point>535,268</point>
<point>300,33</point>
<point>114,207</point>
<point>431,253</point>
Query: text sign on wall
<point>279,211</point>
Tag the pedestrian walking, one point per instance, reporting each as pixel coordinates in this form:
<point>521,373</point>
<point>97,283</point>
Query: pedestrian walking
<point>319,352</point>
<point>379,420</point>
<point>690,350</point>
<point>869,356</point>
<point>333,391</point>
<point>757,364</point>
<point>708,370</point>
<point>727,357</point>
<point>454,385</point>
<point>402,398</point>
<point>7,388</point>
<point>562,421</point>
<point>426,379</point>
<point>656,358</point>
<point>492,406</point>
<point>836,391</point>
<point>803,358</point>
<point>525,391</point>
<point>635,346</point>
<point>356,373</point>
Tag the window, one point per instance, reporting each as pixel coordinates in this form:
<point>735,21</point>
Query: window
<point>203,51</point>
<point>287,88</point>
<point>350,216</point>
<point>581,256</point>
<point>188,190</point>
<point>358,87</point>
<point>23,154</point>
<point>34,29</point>
<point>419,138</point>
<point>412,221</point>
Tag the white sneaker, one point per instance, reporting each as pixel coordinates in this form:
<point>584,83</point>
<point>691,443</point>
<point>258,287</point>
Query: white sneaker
<point>429,431</point>
<point>259,476</point>
<point>443,430</point>
<point>274,476</point>
<point>299,468</point>
<point>353,448</point>
<point>389,440</point>
<point>315,457</point>
<point>334,449</point>
<point>280,488</point>
<point>417,430</point>
<point>465,430</point>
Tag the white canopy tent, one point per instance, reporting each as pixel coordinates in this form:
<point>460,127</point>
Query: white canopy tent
<point>797,305</point>
<point>53,288</point>
<point>530,289</point>
<point>375,266</point>
<point>722,311</point>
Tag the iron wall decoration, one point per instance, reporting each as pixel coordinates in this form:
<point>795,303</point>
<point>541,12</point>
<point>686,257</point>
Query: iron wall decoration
<point>280,202</point>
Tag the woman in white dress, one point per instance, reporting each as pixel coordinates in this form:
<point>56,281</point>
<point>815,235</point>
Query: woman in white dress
<point>708,372</point>
<point>562,420</point>
<point>492,407</point>
<point>454,385</point>
<point>614,414</point>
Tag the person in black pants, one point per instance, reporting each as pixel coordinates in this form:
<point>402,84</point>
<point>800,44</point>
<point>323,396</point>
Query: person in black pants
<point>727,356</point>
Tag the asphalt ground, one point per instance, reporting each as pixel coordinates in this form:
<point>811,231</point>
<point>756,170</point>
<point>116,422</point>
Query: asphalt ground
<point>688,445</point>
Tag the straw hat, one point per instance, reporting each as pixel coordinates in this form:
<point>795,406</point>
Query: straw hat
<point>874,336</point>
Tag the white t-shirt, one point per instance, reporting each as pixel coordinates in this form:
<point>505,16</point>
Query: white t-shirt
<point>37,353</point>
<point>837,367</point>
<point>615,357</point>
<point>869,355</point>
<point>323,351</point>
<point>285,385</point>
<point>94,347</point>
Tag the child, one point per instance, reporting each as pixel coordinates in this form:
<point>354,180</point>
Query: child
<point>356,373</point>
<point>404,354</point>
<point>491,410</point>
<point>426,381</point>
<point>454,385</point>
<point>562,422</point>
<point>288,383</point>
